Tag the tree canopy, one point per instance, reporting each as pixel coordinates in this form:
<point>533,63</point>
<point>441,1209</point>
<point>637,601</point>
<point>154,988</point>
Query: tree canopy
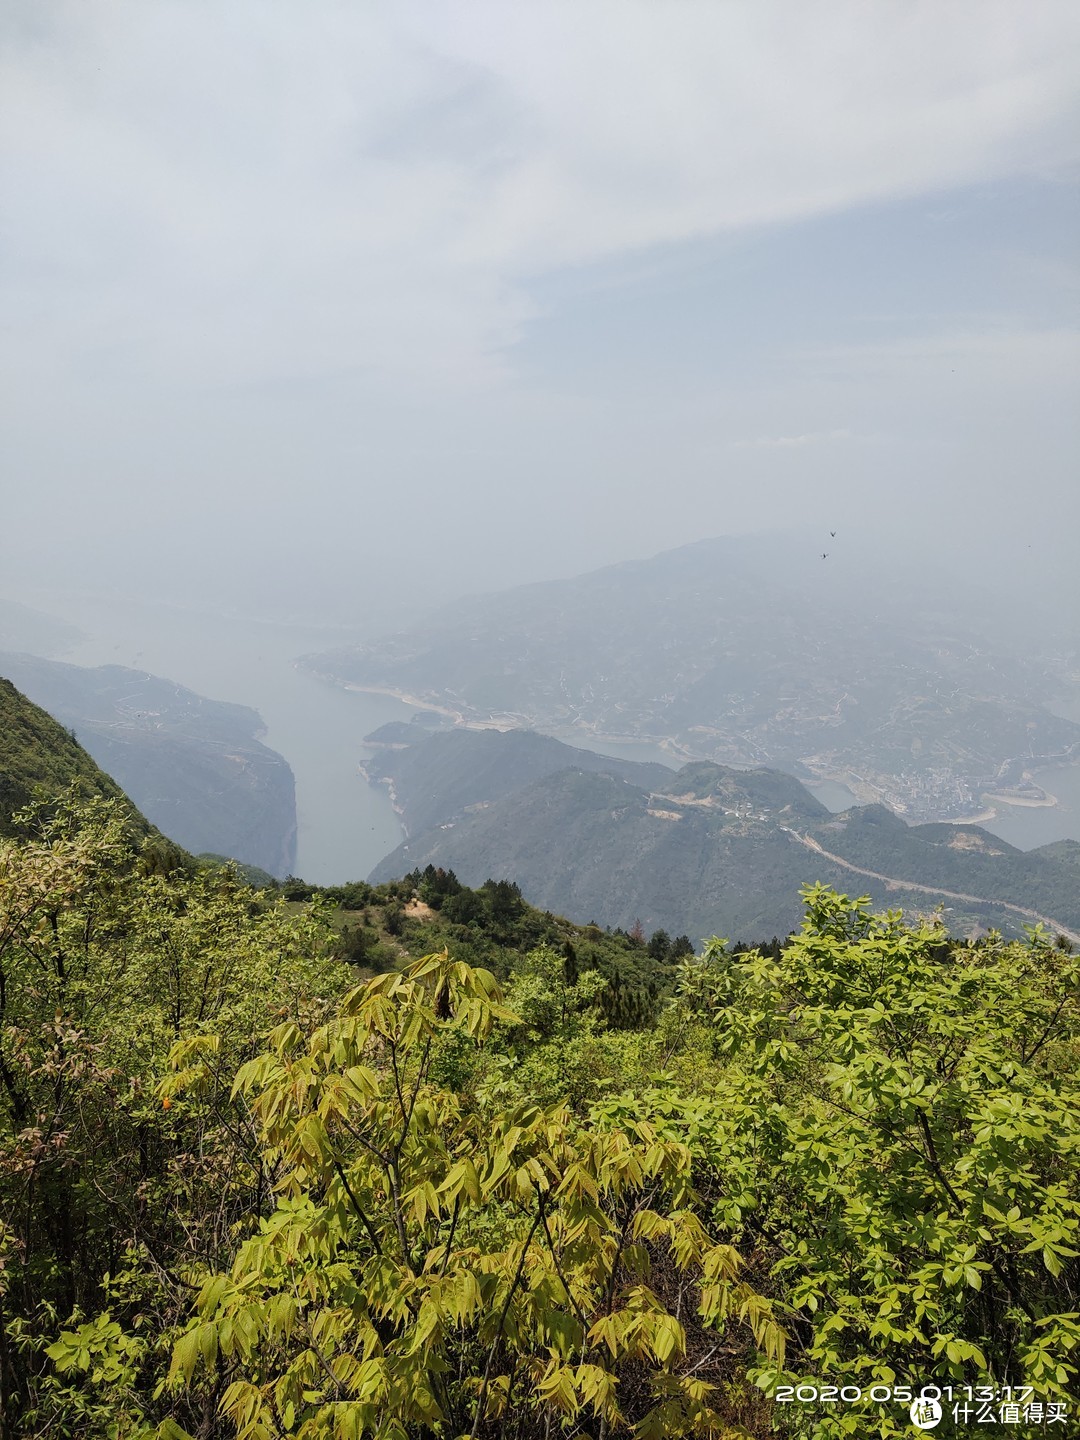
<point>253,1186</point>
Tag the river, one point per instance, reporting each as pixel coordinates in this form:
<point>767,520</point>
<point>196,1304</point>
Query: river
<point>344,825</point>
<point>1026,826</point>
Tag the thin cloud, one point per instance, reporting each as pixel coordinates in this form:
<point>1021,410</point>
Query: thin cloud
<point>227,192</point>
<point>1045,357</point>
<point>264,273</point>
<point>791,442</point>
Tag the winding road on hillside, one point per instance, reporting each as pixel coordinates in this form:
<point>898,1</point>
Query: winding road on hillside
<point>896,884</point>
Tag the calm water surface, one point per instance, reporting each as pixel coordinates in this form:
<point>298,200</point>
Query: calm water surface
<point>344,825</point>
<point>1027,826</point>
<point>832,794</point>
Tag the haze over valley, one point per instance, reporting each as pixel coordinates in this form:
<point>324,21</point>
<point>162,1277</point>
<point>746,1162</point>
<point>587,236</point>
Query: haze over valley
<point>908,728</point>
<point>756,650</point>
<point>539,719</point>
<point>621,400</point>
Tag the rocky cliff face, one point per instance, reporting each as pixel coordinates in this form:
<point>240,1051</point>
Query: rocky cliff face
<point>194,767</point>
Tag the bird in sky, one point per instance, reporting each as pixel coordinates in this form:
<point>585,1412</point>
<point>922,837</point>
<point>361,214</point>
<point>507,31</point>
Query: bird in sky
<point>833,534</point>
<point>824,555</point>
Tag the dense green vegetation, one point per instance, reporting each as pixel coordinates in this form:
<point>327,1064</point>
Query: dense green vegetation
<point>108,956</point>
<point>382,927</point>
<point>243,1195</point>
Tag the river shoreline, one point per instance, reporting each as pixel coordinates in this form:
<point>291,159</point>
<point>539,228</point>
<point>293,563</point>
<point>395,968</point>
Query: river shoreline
<point>996,808</point>
<point>505,723</point>
<point>669,746</point>
<point>1047,801</point>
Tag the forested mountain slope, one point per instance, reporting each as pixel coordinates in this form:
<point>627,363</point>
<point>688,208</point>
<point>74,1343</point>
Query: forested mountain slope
<point>705,849</point>
<point>241,1193</point>
<point>436,777</point>
<point>959,857</point>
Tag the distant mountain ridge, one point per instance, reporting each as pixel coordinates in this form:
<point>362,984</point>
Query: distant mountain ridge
<point>748,652</point>
<point>193,766</point>
<point>706,849</point>
<point>24,629</point>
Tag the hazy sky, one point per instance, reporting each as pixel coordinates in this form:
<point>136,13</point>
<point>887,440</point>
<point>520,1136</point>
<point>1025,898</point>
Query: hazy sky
<point>332,302</point>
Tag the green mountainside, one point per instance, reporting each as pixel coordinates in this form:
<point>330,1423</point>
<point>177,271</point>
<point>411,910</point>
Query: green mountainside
<point>438,776</point>
<point>1066,852</point>
<point>390,1159</point>
<point>706,849</point>
<point>755,651</point>
<point>381,927</point>
<point>37,753</point>
<point>959,857</point>
<point>194,766</point>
